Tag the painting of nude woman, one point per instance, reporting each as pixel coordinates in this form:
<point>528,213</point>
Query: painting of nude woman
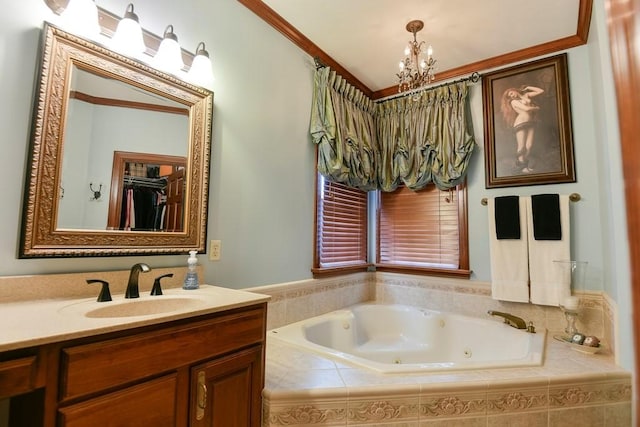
<point>527,123</point>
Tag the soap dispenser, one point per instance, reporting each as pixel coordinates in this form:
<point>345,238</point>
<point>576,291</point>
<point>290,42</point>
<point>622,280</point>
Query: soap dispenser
<point>191,279</point>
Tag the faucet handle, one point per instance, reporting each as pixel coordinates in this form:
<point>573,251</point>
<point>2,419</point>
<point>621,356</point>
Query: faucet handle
<point>531,329</point>
<point>104,295</point>
<point>157,289</point>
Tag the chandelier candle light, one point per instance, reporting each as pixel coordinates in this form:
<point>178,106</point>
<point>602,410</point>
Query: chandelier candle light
<point>417,69</point>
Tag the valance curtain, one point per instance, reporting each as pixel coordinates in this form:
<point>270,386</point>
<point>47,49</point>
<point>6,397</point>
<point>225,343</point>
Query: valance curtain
<point>343,127</point>
<point>425,138</point>
<point>409,140</point>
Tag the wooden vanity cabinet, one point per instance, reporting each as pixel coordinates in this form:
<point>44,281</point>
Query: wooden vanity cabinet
<point>227,390</point>
<point>151,403</point>
<point>18,375</point>
<point>149,376</point>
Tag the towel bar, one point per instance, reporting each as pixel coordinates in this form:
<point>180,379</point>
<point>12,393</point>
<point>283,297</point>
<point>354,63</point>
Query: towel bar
<point>574,197</point>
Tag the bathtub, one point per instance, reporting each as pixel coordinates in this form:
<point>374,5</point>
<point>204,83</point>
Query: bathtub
<point>403,339</point>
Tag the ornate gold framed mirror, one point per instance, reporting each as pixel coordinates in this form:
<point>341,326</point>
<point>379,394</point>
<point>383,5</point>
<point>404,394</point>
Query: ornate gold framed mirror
<point>90,104</point>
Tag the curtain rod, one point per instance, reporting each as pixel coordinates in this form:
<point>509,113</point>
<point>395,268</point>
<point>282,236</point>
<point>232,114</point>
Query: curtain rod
<point>319,63</point>
<point>474,78</point>
<point>574,197</point>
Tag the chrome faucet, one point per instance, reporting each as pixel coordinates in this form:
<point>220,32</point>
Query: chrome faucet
<point>510,319</point>
<point>132,285</point>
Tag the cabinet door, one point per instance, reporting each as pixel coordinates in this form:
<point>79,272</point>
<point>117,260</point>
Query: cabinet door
<point>175,202</point>
<point>227,392</point>
<point>152,403</point>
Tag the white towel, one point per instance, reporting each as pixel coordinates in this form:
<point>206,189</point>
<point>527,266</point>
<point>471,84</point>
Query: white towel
<point>509,260</point>
<point>550,281</point>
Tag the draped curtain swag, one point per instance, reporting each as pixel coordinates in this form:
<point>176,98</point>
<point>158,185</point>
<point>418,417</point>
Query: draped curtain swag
<point>343,126</point>
<point>409,140</point>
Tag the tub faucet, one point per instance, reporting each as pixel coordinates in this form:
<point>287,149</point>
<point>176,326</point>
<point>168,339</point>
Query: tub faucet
<point>132,285</point>
<point>510,319</point>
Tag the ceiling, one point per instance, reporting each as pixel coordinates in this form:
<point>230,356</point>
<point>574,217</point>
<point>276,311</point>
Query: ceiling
<point>364,39</point>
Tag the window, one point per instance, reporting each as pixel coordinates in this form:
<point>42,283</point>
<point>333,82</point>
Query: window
<point>422,232</point>
<point>341,228</point>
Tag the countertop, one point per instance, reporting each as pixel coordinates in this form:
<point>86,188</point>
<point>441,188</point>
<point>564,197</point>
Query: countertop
<point>31,323</point>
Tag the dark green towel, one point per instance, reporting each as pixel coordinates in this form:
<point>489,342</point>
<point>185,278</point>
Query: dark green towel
<point>507,217</point>
<point>545,209</point>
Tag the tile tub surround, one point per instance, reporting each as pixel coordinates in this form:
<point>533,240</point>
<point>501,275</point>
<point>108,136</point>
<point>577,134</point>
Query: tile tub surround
<point>569,389</point>
<point>471,298</point>
<point>294,301</point>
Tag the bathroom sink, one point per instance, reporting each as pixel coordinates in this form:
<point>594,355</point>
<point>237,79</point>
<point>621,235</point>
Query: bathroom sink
<point>135,307</point>
<point>144,307</point>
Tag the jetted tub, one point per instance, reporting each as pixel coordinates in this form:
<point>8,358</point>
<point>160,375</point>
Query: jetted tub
<point>397,338</point>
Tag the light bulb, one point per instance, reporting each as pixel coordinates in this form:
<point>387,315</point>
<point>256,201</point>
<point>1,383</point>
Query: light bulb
<point>169,56</point>
<point>401,65</point>
<point>407,51</point>
<point>429,52</point>
<point>81,17</point>
<point>200,72</point>
<point>128,37</point>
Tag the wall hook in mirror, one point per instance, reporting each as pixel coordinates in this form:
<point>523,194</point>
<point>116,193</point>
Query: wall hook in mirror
<point>61,192</point>
<point>96,193</point>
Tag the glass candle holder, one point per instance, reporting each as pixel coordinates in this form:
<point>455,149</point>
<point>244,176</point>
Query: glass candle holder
<point>571,316</point>
<point>575,272</point>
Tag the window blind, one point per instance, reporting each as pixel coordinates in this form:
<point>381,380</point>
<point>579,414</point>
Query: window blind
<point>342,225</point>
<point>419,229</point>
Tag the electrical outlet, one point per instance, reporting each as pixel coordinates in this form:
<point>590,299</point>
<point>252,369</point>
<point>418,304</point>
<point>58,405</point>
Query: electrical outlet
<point>214,250</point>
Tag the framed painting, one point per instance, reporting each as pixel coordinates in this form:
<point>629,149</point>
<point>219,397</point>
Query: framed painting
<point>527,124</point>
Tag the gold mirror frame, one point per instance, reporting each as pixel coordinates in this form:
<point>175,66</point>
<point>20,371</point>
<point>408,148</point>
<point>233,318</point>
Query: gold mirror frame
<point>40,237</point>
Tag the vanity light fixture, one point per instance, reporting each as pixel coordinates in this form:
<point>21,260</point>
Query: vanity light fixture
<point>128,36</point>
<point>125,35</point>
<point>81,17</point>
<point>200,71</point>
<point>169,56</point>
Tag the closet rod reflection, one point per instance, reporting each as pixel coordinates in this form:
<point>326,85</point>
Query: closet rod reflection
<point>574,197</point>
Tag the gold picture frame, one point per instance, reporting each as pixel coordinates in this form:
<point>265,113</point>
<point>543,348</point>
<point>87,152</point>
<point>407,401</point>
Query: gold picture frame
<point>527,124</point>
<point>63,54</point>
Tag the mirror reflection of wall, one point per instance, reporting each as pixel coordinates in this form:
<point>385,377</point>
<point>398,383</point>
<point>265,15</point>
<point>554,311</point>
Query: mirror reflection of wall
<point>95,128</point>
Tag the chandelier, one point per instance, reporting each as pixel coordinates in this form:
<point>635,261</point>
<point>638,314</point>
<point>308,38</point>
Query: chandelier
<point>417,69</point>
